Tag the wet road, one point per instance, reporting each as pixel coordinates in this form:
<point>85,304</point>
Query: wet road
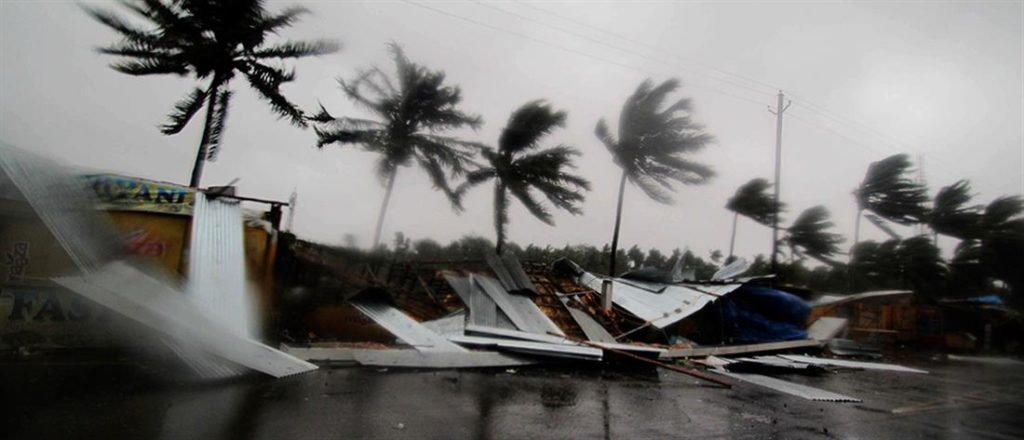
<point>47,398</point>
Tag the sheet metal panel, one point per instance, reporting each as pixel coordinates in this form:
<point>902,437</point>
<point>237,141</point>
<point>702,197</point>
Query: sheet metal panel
<point>404,327</point>
<point>723,350</point>
<point>422,359</point>
<point>151,302</point>
<point>216,270</point>
<point>63,203</point>
<point>851,364</point>
<point>531,347</point>
<point>660,309</point>
<point>826,328</point>
<point>794,389</point>
<point>520,310</point>
<point>590,327</point>
<point>449,325</point>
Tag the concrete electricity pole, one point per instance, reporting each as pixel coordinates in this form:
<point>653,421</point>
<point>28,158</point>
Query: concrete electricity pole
<point>779,110</point>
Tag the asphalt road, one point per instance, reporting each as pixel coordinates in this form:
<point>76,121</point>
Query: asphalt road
<point>116,396</point>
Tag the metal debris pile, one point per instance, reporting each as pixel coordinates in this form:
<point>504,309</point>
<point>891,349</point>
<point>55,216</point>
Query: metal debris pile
<point>497,312</point>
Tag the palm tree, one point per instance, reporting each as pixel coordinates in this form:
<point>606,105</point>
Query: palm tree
<point>412,108</point>
<point>1002,243</point>
<point>889,192</point>
<point>808,235</point>
<point>215,40</point>
<point>652,146</point>
<point>752,201</point>
<point>950,214</point>
<point>518,169</point>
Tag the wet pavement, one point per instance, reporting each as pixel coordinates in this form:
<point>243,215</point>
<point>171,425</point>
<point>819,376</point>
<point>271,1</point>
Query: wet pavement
<point>47,398</point>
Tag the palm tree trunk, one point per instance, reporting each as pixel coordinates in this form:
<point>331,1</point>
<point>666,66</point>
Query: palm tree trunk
<point>499,216</point>
<point>211,100</point>
<point>856,228</point>
<point>732,241</point>
<point>384,208</point>
<point>618,221</point>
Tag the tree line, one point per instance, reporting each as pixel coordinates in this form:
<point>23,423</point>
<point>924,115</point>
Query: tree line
<point>411,111</point>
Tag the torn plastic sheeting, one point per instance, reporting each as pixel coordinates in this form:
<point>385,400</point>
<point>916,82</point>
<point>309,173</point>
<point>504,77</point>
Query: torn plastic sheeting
<point>660,309</point>
<point>851,364</point>
<point>530,347</point>
<point>128,291</point>
<point>402,326</point>
<point>520,310</point>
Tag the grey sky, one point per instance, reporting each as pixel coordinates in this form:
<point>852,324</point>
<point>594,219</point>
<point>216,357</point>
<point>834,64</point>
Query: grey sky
<point>867,80</point>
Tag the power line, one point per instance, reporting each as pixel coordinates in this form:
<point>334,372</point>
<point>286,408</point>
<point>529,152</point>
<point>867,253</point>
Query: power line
<point>569,49</point>
<point>770,87</point>
<point>619,48</point>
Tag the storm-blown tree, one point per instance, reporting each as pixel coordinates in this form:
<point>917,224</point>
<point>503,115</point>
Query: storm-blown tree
<point>212,41</point>
<point>652,147</point>
<point>950,214</point>
<point>519,169</point>
<point>1002,243</point>
<point>809,236</point>
<point>889,192</point>
<point>753,201</point>
<point>413,109</point>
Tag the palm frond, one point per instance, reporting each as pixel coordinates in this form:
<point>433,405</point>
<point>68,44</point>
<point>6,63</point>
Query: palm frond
<point>809,234</point>
<point>522,193</point>
<point>528,124</point>
<point>266,81</point>
<point>890,192</point>
<point>150,66</point>
<point>287,17</point>
<point>218,122</point>
<point>184,110</point>
<point>297,49</point>
<point>753,201</point>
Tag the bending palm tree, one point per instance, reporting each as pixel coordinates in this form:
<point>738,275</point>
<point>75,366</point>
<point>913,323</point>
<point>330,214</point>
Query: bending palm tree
<point>752,201</point>
<point>517,169</point>
<point>809,235</point>
<point>214,39</point>
<point>652,147</point>
<point>889,192</point>
<point>413,107</point>
<point>950,215</point>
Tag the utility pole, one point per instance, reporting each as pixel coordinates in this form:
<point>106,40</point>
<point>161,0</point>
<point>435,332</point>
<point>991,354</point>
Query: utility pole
<point>779,110</point>
<point>291,209</point>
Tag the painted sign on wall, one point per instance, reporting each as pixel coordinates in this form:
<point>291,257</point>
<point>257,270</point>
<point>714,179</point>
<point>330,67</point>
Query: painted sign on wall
<point>119,193</point>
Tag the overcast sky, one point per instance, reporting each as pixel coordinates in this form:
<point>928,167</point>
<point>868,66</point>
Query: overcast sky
<point>938,79</point>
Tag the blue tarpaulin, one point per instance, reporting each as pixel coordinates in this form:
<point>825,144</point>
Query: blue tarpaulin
<point>760,314</point>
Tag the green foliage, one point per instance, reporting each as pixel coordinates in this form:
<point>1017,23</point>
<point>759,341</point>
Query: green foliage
<point>809,235</point>
<point>753,201</point>
<point>951,215</point>
<point>889,191</point>
<point>520,170</point>
<point>214,39</point>
<point>654,141</point>
<point>412,108</point>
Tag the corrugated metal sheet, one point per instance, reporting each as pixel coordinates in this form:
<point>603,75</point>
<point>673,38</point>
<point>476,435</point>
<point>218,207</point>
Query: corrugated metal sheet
<point>63,203</point>
<point>423,359</point>
<point>723,350</point>
<point>660,309</point>
<point>520,310</point>
<point>531,347</point>
<point>449,325</point>
<point>835,300</point>
<point>826,328</point>
<point>216,270</point>
<point>593,329</point>
<point>851,364</point>
<point>795,389</point>
<point>510,272</point>
<point>153,303</point>
<point>403,327</point>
